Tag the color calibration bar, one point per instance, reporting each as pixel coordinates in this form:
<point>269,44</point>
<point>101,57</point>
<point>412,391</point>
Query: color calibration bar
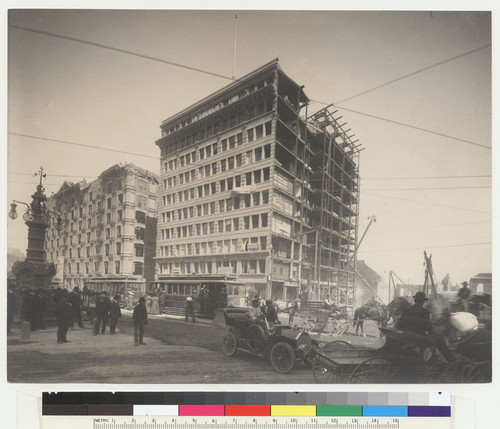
<point>283,411</point>
<point>262,410</point>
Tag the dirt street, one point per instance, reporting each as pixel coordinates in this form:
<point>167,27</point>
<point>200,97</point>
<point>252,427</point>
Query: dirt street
<point>175,352</point>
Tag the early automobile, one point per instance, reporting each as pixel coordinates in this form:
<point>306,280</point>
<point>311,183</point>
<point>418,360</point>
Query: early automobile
<point>282,345</point>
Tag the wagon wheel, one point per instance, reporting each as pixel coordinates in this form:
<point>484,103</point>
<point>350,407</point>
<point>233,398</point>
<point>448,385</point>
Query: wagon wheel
<point>373,370</point>
<point>330,327</point>
<point>344,326</point>
<point>255,339</point>
<point>229,342</point>
<point>308,324</point>
<point>324,373</point>
<point>282,357</point>
<point>340,327</point>
<point>465,372</point>
<point>320,325</point>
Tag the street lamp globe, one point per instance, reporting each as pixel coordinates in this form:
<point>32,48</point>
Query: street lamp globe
<point>13,212</point>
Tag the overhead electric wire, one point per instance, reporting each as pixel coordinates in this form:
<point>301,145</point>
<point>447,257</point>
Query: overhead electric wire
<point>427,189</point>
<point>422,177</point>
<point>82,145</point>
<point>405,125</point>
<point>123,51</point>
<point>31,183</point>
<point>440,226</point>
<point>54,175</point>
<point>428,247</point>
<point>232,79</point>
<point>414,73</point>
<point>426,202</point>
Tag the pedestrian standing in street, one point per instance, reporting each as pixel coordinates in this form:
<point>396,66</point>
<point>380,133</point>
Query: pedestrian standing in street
<point>114,313</point>
<point>463,296</point>
<point>76,306</point>
<point>42,306</point>
<point>34,309</point>
<point>25,305</point>
<point>189,308</point>
<point>11,307</point>
<point>294,307</point>
<point>64,317</point>
<point>140,317</point>
<point>101,312</point>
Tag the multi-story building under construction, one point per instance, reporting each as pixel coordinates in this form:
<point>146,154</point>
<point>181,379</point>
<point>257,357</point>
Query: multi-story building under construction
<point>256,196</point>
<point>108,238</point>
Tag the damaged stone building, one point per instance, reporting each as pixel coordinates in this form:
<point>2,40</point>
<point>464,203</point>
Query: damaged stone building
<point>108,236</point>
<point>257,196</point>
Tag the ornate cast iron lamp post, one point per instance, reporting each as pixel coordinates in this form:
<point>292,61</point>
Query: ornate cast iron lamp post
<point>35,272</point>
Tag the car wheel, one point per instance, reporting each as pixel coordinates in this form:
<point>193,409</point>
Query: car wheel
<point>282,357</point>
<point>229,342</point>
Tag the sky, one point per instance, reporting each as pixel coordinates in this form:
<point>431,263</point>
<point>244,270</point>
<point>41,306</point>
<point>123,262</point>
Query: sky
<point>414,87</point>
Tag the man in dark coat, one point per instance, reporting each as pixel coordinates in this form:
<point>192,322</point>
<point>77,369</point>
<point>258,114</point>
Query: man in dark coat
<point>114,313</point>
<point>76,306</point>
<point>101,312</point>
<point>40,310</point>
<point>294,308</point>
<point>64,317</point>
<point>271,313</point>
<point>140,317</point>
<point>417,319</point>
<point>34,309</point>
<point>11,307</point>
<point>464,295</point>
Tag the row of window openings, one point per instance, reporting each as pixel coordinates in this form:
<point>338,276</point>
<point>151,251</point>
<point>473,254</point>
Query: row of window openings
<point>140,217</point>
<point>227,225</point>
<point>109,204</point>
<point>253,266</point>
<point>142,186</point>
<point>208,111</point>
<point>251,178</point>
<point>138,268</point>
<point>255,155</point>
<point>220,246</point>
<point>243,116</point>
<point>225,144</point>
<point>138,251</point>
<point>108,234</point>
<point>229,204</point>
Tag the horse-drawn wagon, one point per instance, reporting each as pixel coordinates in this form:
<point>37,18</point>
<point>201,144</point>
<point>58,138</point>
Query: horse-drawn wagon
<point>405,357</point>
<point>281,345</point>
<point>316,316</point>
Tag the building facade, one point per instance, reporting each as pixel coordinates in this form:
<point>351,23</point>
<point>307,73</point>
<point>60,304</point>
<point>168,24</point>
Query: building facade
<point>481,284</point>
<point>108,238</point>
<point>254,189</point>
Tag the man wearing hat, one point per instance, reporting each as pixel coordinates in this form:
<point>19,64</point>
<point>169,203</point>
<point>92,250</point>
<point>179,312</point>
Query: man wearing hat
<point>76,306</point>
<point>115,313</point>
<point>463,295</point>
<point>102,305</point>
<point>417,319</point>
<point>140,320</point>
<point>11,306</point>
<point>255,315</point>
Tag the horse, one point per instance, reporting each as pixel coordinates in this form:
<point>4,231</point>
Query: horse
<point>377,313</point>
<point>396,307</point>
